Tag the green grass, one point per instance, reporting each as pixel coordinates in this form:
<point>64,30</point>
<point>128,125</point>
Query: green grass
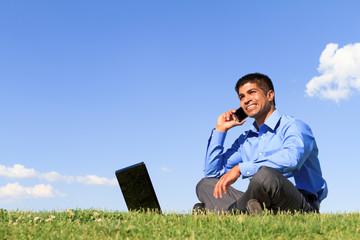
<point>98,224</point>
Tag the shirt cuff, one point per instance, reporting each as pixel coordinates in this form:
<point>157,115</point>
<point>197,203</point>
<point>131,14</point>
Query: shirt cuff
<point>248,169</point>
<point>217,137</point>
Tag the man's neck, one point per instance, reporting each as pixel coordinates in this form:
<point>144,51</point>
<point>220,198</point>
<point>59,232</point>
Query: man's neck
<point>261,119</point>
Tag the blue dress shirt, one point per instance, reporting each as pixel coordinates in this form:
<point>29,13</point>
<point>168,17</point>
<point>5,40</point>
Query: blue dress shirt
<point>282,142</point>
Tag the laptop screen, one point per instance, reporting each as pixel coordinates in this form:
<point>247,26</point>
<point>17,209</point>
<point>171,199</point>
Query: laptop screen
<point>137,188</point>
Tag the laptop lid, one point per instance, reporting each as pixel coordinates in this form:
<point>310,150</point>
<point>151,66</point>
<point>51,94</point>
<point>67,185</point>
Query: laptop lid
<point>137,189</point>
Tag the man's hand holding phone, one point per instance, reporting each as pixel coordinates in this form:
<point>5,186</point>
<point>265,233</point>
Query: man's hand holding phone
<point>229,120</point>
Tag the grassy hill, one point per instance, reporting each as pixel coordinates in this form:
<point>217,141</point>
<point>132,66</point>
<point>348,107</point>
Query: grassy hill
<point>98,224</point>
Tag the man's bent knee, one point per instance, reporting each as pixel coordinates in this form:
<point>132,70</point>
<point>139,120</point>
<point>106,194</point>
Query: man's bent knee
<point>206,183</point>
<point>266,176</point>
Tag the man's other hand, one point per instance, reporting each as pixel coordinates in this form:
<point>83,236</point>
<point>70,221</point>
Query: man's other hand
<point>226,121</point>
<point>226,180</point>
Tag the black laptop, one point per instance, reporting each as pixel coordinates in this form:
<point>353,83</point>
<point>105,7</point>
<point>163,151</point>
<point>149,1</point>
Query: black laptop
<point>137,189</point>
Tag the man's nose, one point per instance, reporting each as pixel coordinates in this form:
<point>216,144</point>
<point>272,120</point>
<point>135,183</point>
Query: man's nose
<point>246,99</point>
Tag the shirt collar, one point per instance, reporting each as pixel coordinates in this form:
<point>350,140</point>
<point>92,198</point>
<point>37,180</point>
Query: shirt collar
<point>271,122</point>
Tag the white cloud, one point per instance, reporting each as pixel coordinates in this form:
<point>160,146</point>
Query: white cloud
<point>165,169</point>
<point>19,171</point>
<point>56,177</point>
<point>339,73</point>
<point>95,180</point>
<point>15,191</point>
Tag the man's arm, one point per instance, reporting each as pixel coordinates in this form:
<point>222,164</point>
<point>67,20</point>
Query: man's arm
<point>297,144</point>
<point>217,162</point>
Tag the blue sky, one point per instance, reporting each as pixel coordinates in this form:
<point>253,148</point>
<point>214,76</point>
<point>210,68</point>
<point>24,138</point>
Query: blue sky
<point>88,87</point>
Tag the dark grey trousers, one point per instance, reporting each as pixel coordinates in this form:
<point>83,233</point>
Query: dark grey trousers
<point>268,186</point>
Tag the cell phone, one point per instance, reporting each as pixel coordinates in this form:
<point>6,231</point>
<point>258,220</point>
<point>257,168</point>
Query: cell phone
<point>240,114</point>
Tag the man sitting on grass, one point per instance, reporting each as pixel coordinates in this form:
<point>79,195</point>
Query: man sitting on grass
<point>278,153</point>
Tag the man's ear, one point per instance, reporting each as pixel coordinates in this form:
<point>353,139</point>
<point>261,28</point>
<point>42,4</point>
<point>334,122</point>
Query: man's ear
<point>270,95</point>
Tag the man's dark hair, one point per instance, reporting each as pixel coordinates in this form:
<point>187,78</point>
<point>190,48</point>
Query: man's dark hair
<point>261,80</point>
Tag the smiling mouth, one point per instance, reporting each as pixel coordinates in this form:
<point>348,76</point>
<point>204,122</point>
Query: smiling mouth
<point>250,107</point>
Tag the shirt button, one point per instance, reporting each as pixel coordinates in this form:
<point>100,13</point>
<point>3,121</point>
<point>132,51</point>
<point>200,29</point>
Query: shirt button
<point>248,173</point>
<point>262,137</point>
<point>260,154</point>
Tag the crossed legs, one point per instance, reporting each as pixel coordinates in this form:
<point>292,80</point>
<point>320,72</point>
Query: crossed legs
<point>268,186</point>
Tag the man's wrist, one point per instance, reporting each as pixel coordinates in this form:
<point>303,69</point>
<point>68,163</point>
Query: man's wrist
<point>221,129</point>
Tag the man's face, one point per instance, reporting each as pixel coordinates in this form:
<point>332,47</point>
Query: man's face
<point>255,102</point>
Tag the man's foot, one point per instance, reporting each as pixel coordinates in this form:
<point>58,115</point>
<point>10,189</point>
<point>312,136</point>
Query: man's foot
<point>199,208</point>
<point>254,207</point>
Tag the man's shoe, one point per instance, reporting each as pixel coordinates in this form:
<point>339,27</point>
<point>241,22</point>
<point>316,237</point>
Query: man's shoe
<point>199,208</point>
<point>254,207</point>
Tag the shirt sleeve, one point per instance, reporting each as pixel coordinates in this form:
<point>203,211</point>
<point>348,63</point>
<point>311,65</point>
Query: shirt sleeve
<point>218,162</point>
<point>297,144</point>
